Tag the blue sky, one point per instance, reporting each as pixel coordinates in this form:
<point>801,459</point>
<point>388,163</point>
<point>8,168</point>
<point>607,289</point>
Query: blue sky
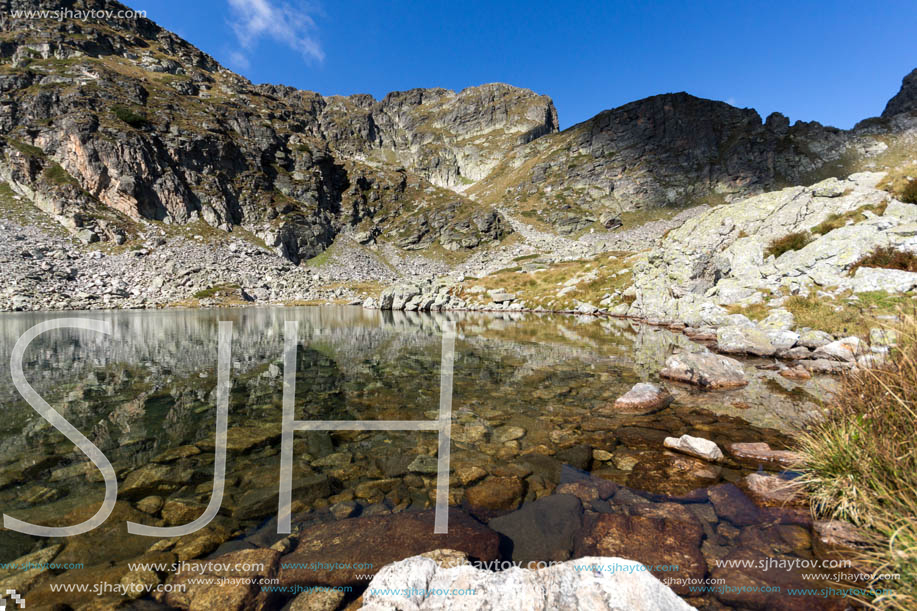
<point>832,62</point>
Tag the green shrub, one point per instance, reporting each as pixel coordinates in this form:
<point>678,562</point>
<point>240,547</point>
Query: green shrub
<point>129,116</point>
<point>793,241</point>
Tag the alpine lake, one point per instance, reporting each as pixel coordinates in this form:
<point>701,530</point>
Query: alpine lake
<point>539,454</point>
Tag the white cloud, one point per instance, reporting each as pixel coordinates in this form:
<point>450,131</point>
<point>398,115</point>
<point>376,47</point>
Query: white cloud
<point>239,60</point>
<point>287,24</point>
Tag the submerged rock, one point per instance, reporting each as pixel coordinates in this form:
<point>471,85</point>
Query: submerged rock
<point>757,586</point>
<point>674,474</point>
<point>836,538</point>
<point>643,398</point>
<point>317,600</point>
<point>586,583</point>
<point>705,369</point>
<point>654,541</point>
<point>825,365</point>
<point>772,489</point>
<point>343,550</point>
<point>795,373</point>
<point>760,452</point>
<point>588,490</point>
<point>233,584</point>
<point>494,495</point>
<point>543,529</point>
<point>731,504</point>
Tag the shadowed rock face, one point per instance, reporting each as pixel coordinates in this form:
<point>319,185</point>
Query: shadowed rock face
<point>905,100</point>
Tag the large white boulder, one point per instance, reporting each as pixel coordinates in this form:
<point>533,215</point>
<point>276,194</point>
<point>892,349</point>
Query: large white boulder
<point>593,583</point>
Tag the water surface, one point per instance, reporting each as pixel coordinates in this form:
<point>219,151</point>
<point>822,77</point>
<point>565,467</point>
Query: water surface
<point>524,386</point>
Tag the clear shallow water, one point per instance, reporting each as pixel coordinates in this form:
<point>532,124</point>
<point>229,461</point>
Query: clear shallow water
<point>524,386</point>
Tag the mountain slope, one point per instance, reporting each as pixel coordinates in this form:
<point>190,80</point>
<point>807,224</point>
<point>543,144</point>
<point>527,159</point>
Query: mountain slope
<point>672,150</point>
<point>105,124</point>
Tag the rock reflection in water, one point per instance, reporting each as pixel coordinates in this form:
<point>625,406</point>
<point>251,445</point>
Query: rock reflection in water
<point>532,400</point>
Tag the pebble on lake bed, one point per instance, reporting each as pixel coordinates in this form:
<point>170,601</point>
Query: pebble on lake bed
<point>695,446</point>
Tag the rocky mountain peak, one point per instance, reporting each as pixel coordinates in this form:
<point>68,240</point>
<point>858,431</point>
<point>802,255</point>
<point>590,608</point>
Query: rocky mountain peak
<point>906,98</point>
<point>452,139</point>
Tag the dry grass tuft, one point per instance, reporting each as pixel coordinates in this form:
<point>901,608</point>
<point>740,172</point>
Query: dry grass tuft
<point>862,465</point>
<point>792,241</point>
<point>887,257</point>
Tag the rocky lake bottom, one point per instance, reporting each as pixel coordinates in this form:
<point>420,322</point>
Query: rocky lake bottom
<point>543,468</point>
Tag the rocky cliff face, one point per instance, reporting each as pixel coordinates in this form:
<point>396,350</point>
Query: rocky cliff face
<point>105,124</point>
<point>452,139</point>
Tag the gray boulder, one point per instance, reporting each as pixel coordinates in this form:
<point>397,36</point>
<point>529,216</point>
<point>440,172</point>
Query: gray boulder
<point>814,338</point>
<point>783,340</point>
<point>878,279</point>
<point>705,369</point>
<point>586,583</point>
<point>744,340</point>
<point>778,320</point>
<point>845,349</point>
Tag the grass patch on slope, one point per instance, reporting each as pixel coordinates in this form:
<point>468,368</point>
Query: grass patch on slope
<point>599,276</point>
<point>886,257</point>
<point>19,210</point>
<point>845,316</point>
<point>908,192</point>
<point>900,182</point>
<point>836,221</point>
<point>54,173</point>
<point>216,290</point>
<point>792,241</point>
<point>861,466</point>
<point>130,116</point>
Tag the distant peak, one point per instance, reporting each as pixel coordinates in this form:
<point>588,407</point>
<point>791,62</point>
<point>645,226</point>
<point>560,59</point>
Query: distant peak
<point>906,98</point>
